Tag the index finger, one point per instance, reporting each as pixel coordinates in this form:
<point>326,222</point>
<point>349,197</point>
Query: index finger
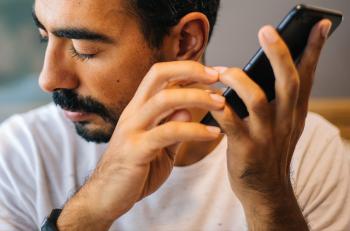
<point>163,74</point>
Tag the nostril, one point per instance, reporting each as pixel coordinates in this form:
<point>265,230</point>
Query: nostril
<point>42,83</point>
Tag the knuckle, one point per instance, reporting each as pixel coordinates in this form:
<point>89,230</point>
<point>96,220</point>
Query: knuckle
<point>161,98</point>
<point>156,68</point>
<point>172,129</point>
<point>258,101</point>
<point>283,53</point>
<point>231,130</point>
<point>231,75</point>
<point>291,70</point>
<point>294,83</point>
<point>315,46</point>
<point>162,136</point>
<point>291,82</point>
<point>193,65</point>
<point>235,71</point>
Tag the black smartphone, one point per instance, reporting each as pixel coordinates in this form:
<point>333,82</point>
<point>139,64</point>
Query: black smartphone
<point>295,29</point>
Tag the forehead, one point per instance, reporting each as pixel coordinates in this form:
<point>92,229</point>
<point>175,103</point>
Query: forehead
<point>81,13</point>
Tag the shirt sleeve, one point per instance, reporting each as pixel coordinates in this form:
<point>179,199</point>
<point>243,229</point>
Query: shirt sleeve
<point>17,184</point>
<point>322,181</point>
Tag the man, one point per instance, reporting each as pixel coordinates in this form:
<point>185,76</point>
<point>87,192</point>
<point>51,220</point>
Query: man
<point>126,73</point>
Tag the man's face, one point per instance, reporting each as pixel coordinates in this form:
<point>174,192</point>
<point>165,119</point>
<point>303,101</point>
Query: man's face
<point>95,59</point>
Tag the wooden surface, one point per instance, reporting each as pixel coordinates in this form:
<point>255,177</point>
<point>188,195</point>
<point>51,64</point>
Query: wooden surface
<point>337,111</point>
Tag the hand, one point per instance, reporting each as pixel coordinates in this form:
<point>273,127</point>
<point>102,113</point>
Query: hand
<point>141,152</point>
<point>260,148</point>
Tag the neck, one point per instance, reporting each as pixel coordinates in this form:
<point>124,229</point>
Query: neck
<point>191,152</point>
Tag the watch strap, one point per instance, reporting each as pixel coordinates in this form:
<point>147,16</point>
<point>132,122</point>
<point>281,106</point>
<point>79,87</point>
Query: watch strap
<point>50,223</point>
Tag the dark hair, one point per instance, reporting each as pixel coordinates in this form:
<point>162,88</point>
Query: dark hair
<point>158,16</point>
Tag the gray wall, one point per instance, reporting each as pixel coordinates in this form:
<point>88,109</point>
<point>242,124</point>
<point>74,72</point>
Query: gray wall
<point>235,40</point>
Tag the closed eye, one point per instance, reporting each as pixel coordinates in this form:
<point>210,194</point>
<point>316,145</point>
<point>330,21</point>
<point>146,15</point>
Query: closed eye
<point>79,56</point>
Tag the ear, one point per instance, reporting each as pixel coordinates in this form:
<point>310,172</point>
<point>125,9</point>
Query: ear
<point>188,39</point>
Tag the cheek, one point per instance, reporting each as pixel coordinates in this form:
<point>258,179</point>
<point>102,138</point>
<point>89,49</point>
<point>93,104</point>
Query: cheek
<point>113,81</point>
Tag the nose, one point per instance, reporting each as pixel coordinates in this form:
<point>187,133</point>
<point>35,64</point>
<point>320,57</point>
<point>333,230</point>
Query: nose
<point>58,71</point>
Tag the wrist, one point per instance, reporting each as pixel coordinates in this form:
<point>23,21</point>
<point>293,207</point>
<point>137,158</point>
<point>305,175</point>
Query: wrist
<point>276,209</point>
<point>78,214</point>
<point>101,200</point>
<point>91,209</point>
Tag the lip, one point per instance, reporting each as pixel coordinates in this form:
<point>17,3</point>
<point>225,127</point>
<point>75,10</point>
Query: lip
<point>76,116</point>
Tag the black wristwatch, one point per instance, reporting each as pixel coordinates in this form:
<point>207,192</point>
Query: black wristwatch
<point>50,222</point>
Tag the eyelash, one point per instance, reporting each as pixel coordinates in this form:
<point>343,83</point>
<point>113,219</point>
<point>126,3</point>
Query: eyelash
<point>43,39</point>
<point>72,50</point>
<point>82,57</point>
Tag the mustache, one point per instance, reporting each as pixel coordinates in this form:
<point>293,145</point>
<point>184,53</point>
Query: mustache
<point>71,101</point>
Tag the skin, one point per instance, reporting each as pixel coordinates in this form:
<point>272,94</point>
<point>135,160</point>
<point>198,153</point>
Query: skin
<point>108,82</point>
<point>145,146</point>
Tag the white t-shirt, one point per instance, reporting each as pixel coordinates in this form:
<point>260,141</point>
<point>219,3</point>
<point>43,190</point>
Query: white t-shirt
<point>43,162</point>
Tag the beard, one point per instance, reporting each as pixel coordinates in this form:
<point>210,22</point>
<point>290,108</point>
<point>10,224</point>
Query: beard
<point>71,101</point>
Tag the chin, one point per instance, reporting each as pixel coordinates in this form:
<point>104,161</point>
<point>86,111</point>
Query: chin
<point>94,133</point>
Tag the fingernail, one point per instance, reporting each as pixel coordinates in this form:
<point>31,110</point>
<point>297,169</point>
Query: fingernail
<point>220,69</point>
<point>270,34</point>
<point>209,91</point>
<point>212,72</point>
<point>325,29</point>
<point>214,130</point>
<point>218,98</point>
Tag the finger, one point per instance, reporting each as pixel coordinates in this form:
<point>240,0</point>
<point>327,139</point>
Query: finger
<point>309,60</point>
<point>286,75</point>
<point>253,97</point>
<point>181,116</point>
<point>307,68</point>
<point>230,123</point>
<point>168,101</point>
<point>163,74</point>
<point>177,132</point>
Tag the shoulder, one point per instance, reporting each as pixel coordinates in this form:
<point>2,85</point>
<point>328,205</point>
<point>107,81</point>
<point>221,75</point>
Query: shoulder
<point>42,161</point>
<point>32,142</point>
<point>25,139</point>
<point>319,141</point>
<point>41,128</point>
<point>21,138</point>
<point>317,126</point>
<point>317,135</point>
<point>47,117</point>
<point>43,142</point>
<point>320,173</point>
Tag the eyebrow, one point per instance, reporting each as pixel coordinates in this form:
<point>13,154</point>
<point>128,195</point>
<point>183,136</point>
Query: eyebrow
<point>75,33</point>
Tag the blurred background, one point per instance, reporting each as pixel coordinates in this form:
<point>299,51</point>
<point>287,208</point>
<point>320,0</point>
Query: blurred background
<point>235,40</point>
<point>233,44</point>
<point>21,56</point>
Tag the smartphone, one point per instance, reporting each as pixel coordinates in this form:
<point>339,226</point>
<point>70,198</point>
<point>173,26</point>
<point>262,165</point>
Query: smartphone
<point>295,29</point>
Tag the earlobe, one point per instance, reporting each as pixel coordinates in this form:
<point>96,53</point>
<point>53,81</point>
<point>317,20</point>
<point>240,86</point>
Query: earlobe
<point>192,34</point>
